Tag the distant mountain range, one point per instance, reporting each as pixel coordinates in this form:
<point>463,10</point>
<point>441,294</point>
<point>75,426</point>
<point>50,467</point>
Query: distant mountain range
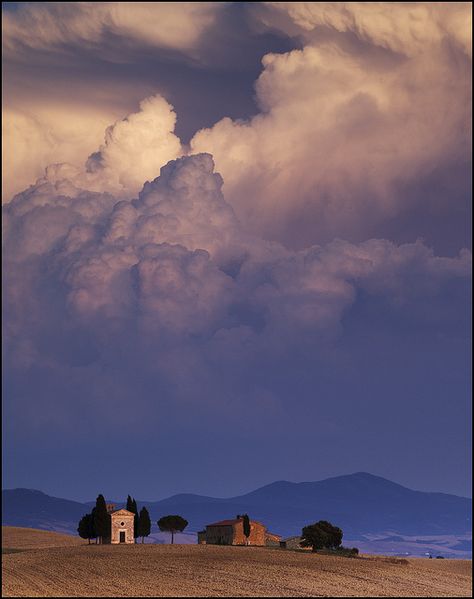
<point>362,504</point>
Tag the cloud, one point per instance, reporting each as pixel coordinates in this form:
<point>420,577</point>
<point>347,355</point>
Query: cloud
<point>71,70</point>
<point>358,133</point>
<point>340,139</point>
<point>408,29</point>
<point>146,137</point>
<point>34,138</point>
<point>163,285</point>
<point>134,149</point>
<point>62,26</point>
<point>306,295</point>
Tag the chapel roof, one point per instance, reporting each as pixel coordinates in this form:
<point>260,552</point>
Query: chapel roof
<point>122,512</point>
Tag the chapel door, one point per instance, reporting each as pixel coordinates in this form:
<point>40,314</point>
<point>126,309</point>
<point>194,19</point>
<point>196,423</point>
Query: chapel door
<point>122,536</point>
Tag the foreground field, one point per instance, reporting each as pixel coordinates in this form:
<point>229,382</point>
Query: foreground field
<point>194,570</point>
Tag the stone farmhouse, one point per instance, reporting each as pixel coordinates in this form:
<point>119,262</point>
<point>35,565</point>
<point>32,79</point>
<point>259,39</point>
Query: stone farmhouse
<point>231,532</point>
<point>122,526</point>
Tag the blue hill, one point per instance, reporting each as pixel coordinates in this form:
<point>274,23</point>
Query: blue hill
<point>359,503</point>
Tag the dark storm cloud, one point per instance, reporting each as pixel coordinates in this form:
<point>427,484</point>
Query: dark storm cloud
<point>166,299</point>
<point>313,322</point>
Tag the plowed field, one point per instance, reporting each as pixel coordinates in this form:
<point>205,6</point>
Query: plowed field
<point>200,571</point>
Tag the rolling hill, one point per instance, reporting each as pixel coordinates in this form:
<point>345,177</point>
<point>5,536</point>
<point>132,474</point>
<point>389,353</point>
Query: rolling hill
<point>361,504</point>
<point>45,564</point>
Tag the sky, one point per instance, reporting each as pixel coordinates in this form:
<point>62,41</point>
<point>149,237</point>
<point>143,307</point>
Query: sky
<point>237,245</point>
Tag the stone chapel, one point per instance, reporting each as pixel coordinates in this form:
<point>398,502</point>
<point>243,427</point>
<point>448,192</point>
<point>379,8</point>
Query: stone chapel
<point>121,525</point>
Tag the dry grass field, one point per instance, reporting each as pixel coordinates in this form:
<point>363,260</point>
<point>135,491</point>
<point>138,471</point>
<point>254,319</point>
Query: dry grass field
<point>72,568</point>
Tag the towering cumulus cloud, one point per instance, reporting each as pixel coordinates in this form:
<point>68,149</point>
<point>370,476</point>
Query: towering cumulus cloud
<point>292,283</point>
<point>135,148</point>
<point>167,285</point>
<point>375,104</point>
<point>59,51</point>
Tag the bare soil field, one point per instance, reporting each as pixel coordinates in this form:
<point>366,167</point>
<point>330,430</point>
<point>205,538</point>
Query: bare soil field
<point>79,570</point>
<point>14,537</point>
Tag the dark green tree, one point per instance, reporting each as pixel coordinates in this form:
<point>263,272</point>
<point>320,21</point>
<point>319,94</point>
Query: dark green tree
<point>144,523</point>
<point>246,525</point>
<point>102,520</point>
<point>86,528</point>
<point>83,528</point>
<point>95,535</point>
<point>172,524</point>
<point>132,507</point>
<point>321,535</point>
<point>136,520</point>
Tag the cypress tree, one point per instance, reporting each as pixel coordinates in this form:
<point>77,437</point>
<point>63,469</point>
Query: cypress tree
<point>92,523</point>
<point>132,507</point>
<point>144,523</point>
<point>84,527</point>
<point>246,525</point>
<point>102,520</point>
<point>136,520</point>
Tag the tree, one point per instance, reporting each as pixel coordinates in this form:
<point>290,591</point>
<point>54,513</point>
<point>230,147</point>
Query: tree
<point>144,523</point>
<point>321,535</point>
<point>95,535</point>
<point>334,534</point>
<point>132,507</point>
<point>172,524</point>
<point>86,528</point>
<point>246,525</point>
<point>136,520</point>
<point>102,520</point>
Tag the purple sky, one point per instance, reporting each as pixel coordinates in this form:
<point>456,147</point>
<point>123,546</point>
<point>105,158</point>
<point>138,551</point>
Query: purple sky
<point>237,245</point>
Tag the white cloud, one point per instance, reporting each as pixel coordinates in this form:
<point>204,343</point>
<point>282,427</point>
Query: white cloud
<point>55,108</point>
<point>337,138</point>
<point>34,137</point>
<point>341,130</point>
<point>407,28</point>
<point>135,148</point>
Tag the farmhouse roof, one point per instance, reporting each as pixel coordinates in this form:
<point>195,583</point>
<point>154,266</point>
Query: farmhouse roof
<point>232,522</point>
<point>224,522</point>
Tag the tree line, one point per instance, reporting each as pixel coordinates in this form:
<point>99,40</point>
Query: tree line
<point>98,523</point>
